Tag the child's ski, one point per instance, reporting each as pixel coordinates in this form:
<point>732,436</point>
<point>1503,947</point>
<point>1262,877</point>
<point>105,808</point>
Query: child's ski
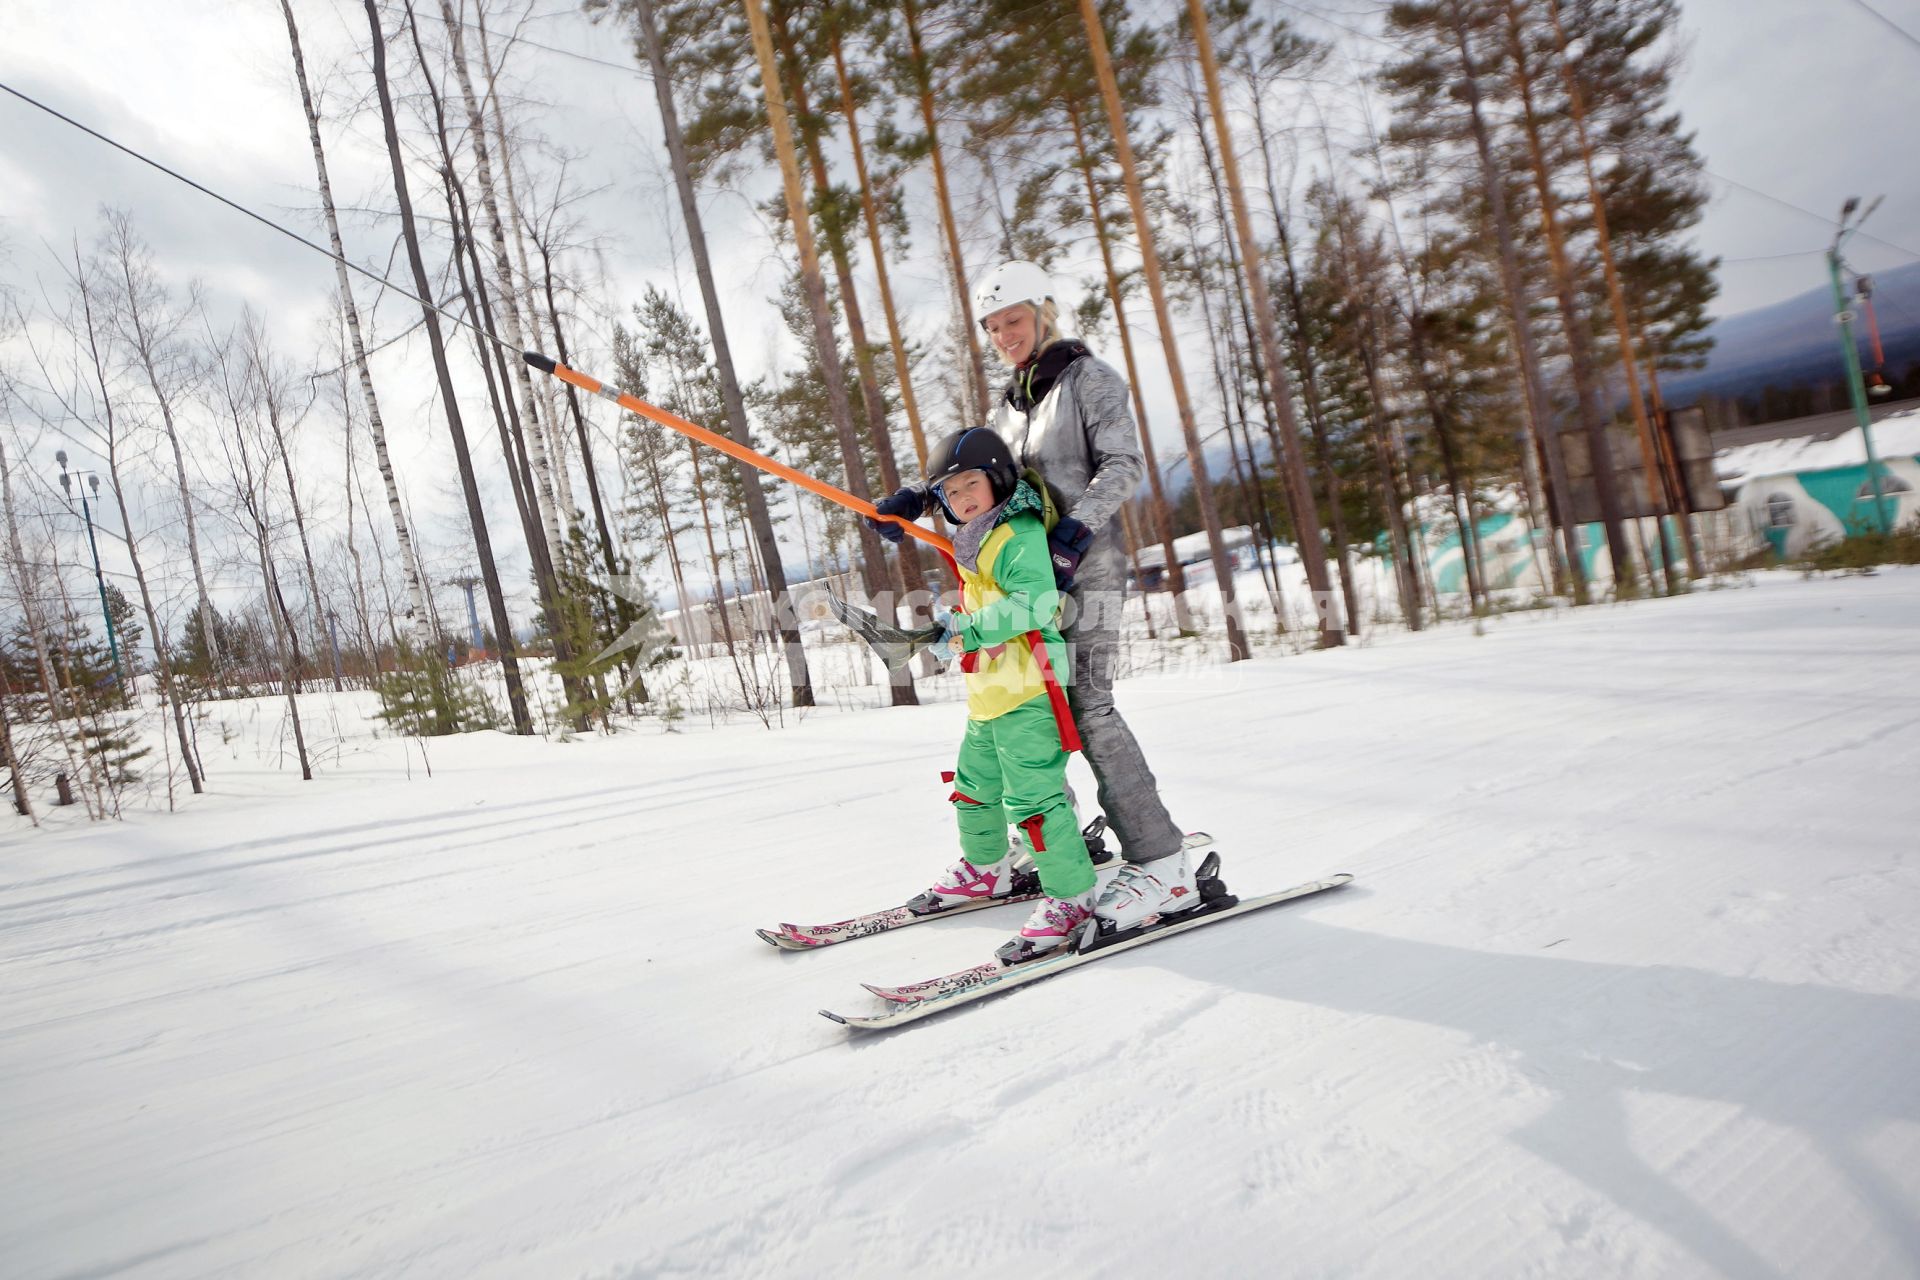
<point>985,981</point>
<point>811,937</point>
<point>1026,887</point>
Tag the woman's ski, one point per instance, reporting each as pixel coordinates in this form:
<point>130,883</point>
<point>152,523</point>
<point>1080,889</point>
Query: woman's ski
<point>982,982</point>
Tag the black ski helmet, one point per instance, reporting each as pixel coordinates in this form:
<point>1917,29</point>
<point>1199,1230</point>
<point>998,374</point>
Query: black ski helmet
<point>974,449</point>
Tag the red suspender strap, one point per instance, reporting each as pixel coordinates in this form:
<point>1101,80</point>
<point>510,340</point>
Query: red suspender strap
<point>1062,713</point>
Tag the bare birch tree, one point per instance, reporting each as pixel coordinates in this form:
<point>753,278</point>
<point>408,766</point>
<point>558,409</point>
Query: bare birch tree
<point>416,616</point>
<point>469,487</point>
<point>97,411</point>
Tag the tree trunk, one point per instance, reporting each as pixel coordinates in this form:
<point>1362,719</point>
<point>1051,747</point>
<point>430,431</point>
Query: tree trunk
<point>515,432</point>
<point>1605,482</point>
<point>1282,454</point>
<point>1696,566</point>
<point>1541,435</point>
<point>543,544</point>
<point>1303,347</point>
<point>799,679</point>
<point>255,503</point>
<point>923,79</point>
<point>162,666</point>
<point>517,292</point>
<point>668,535</point>
<point>1229,404</point>
<point>363,606</point>
<point>416,593</point>
<point>299,516</point>
<point>543,467</point>
<point>1312,550</point>
<point>1393,499</point>
<point>911,577</point>
<point>1260,513</point>
<point>873,559</point>
<point>871,215</point>
<point>1163,522</point>
<point>144,347</point>
<point>1459,483</point>
<point>37,633</point>
<point>476,514</point>
<point>22,805</point>
<point>1657,489</point>
<point>718,579</point>
<point>549,397</point>
<point>618,606</point>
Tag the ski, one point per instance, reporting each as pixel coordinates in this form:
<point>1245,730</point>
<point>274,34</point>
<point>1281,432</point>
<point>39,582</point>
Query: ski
<point>811,937</point>
<point>982,982</point>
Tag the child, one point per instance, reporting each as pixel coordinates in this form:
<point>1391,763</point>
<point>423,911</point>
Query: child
<point>1013,766</point>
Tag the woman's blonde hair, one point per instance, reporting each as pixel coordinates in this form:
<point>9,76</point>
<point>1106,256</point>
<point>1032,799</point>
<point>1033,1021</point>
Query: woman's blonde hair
<point>1046,330</point>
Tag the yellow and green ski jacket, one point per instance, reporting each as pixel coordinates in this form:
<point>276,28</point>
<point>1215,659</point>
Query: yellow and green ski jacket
<point>1009,593</point>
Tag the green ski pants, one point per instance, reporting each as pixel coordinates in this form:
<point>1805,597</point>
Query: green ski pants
<point>1012,771</point>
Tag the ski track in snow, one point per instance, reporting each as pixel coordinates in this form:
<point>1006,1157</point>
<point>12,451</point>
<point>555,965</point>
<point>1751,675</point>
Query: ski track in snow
<point>1628,986</point>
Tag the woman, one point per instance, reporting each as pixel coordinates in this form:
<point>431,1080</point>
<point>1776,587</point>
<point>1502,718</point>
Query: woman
<point>1065,415</point>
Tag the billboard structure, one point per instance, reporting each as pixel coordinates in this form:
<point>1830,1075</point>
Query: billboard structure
<point>1683,469</point>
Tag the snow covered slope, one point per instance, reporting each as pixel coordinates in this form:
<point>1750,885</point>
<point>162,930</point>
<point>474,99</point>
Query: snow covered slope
<point>1628,986</point>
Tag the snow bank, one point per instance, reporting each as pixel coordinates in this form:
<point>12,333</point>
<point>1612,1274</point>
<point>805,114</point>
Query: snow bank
<point>1628,986</point>
<point>1895,436</point>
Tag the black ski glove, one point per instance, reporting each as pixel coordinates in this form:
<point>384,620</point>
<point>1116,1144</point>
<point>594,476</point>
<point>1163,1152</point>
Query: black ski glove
<point>907,503</point>
<point>1067,544</point>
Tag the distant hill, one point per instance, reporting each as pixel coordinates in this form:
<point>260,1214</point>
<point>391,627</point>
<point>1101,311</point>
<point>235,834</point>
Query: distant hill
<point>1784,360</point>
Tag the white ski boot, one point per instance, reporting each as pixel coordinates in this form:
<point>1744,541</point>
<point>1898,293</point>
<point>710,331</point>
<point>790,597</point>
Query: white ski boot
<point>1141,891</point>
<point>1052,925</point>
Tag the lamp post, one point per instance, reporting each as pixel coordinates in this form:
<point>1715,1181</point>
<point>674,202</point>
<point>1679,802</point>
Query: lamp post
<point>100,581</point>
<point>1856,384</point>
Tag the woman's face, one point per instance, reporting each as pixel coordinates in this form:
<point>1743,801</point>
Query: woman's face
<point>1011,329</point>
<point>967,494</point>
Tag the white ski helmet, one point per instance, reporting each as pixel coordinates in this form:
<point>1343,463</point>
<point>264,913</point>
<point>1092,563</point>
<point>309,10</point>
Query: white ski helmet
<point>1010,283</point>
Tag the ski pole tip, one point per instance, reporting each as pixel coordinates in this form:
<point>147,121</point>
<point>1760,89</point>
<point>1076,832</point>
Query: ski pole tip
<point>544,364</point>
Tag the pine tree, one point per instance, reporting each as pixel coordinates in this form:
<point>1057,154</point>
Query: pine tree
<point>1034,92</point>
<point>127,631</point>
<point>424,697</point>
<point>103,719</point>
<point>203,661</point>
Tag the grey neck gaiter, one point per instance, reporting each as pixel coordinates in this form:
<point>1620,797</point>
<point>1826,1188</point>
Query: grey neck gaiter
<point>969,536</point>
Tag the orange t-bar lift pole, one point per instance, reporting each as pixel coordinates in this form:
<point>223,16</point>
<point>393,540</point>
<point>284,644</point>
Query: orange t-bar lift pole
<point>1057,696</point>
<point>733,448</point>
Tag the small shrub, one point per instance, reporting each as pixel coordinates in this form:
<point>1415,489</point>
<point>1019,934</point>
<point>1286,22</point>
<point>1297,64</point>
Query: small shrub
<point>426,698</point>
<point>1861,550</point>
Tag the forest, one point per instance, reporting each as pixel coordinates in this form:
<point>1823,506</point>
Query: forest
<point>1358,303</point>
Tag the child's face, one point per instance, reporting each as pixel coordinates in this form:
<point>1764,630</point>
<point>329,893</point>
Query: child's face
<point>967,494</point>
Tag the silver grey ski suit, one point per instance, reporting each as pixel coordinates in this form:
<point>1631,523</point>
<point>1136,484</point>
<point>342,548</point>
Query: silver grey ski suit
<point>1082,440</point>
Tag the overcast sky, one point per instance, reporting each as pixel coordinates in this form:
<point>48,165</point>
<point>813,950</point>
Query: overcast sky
<point>1796,105</point>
